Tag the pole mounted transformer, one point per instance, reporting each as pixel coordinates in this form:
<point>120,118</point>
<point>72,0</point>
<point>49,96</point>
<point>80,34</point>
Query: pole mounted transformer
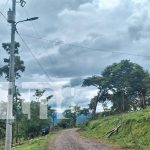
<point>10,15</point>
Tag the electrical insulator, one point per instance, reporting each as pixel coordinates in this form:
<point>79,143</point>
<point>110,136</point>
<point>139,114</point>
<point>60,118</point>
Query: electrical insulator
<point>22,3</point>
<point>10,16</point>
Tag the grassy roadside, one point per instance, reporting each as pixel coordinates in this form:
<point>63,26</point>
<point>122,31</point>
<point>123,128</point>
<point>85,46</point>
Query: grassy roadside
<point>134,132</point>
<point>1,145</point>
<point>40,143</point>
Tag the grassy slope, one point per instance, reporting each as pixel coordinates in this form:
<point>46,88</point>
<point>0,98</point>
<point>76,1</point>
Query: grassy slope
<point>134,133</point>
<point>1,145</point>
<point>41,143</point>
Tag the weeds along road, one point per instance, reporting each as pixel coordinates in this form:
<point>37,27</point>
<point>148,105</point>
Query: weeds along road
<point>70,140</point>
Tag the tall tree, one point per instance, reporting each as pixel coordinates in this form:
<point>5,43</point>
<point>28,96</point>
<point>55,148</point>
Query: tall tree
<point>127,82</point>
<point>101,84</point>
<point>4,71</point>
<point>34,127</point>
<point>19,64</point>
<point>17,111</point>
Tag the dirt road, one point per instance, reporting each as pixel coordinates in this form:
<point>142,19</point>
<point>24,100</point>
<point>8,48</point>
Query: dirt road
<point>70,140</point>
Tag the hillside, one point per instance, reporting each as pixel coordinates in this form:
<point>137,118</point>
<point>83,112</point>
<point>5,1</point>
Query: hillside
<point>133,130</point>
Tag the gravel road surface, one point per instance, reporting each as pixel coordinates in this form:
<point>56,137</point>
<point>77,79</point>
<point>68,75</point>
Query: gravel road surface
<point>70,140</point>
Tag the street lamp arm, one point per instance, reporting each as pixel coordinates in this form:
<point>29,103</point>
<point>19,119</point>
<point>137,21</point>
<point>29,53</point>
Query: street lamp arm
<point>28,19</point>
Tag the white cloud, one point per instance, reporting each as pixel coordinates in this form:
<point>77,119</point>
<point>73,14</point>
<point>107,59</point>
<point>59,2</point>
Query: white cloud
<point>107,25</point>
<point>107,4</point>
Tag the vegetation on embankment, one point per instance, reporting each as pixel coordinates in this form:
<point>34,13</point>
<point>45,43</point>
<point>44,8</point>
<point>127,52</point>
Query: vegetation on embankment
<point>134,132</point>
<point>41,143</point>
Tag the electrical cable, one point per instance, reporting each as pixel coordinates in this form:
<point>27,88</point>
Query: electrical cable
<point>33,56</point>
<point>3,15</point>
<point>84,47</point>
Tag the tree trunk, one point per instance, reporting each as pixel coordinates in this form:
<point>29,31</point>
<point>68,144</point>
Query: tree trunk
<point>94,110</point>
<point>17,130</point>
<point>143,101</point>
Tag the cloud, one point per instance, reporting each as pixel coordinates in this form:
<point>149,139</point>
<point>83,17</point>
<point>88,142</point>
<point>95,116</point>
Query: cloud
<point>91,32</point>
<point>76,81</point>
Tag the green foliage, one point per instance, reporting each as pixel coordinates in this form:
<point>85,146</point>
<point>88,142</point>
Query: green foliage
<point>4,71</point>
<point>19,64</point>
<point>6,46</point>
<point>124,84</point>
<point>134,132</point>
<point>85,112</point>
<point>65,123</point>
<point>70,117</point>
<point>127,84</point>
<point>102,85</point>
<point>41,143</point>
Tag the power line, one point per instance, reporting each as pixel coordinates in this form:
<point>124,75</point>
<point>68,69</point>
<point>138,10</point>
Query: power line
<point>84,47</point>
<point>34,37</point>
<point>100,50</point>
<point>35,29</point>
<point>74,45</point>
<point>33,56</point>
<point>3,15</point>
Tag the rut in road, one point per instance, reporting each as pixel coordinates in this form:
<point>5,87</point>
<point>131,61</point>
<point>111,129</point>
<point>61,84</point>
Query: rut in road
<point>70,140</point>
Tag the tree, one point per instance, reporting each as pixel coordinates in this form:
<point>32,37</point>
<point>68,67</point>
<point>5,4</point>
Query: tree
<point>17,111</point>
<point>93,105</point>
<point>85,112</point>
<point>2,121</point>
<point>34,127</point>
<point>39,93</point>
<point>124,84</point>
<point>19,64</point>
<point>127,83</point>
<point>4,71</point>
<point>72,114</point>
<point>101,84</point>
<point>52,114</point>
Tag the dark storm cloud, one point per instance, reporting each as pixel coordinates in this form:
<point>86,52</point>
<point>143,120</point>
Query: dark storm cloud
<point>76,81</point>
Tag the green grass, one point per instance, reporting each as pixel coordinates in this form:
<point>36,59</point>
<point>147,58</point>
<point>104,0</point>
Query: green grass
<point>133,134</point>
<point>41,143</point>
<point>1,144</point>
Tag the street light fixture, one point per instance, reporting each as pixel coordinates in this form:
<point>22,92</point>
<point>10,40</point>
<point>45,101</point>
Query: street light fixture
<point>28,19</point>
<point>11,18</point>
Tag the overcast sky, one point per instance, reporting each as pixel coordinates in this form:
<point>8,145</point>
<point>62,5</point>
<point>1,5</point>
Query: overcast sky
<point>111,30</point>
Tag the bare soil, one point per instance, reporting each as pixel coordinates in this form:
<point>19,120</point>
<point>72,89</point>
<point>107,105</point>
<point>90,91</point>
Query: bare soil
<point>70,140</point>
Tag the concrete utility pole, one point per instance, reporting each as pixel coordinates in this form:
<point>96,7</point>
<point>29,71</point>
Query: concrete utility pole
<point>11,90</point>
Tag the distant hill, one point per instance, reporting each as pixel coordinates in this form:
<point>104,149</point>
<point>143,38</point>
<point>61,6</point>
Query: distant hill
<point>81,119</point>
<point>132,130</point>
